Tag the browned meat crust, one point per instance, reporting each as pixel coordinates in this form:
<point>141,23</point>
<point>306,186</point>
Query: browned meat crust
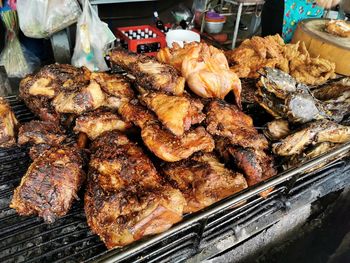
<point>125,198</point>
<point>149,73</point>
<point>50,184</point>
<point>203,180</point>
<point>8,125</point>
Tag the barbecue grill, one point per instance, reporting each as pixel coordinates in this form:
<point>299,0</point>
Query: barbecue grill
<point>69,239</point>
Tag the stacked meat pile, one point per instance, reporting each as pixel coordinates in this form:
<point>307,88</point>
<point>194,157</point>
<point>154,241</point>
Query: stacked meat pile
<point>156,150</point>
<point>271,51</point>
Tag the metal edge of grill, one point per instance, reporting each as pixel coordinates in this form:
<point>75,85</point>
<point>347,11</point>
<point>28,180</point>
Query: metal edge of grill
<point>70,240</point>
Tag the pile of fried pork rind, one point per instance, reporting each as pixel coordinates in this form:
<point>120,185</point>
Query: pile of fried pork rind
<point>271,51</point>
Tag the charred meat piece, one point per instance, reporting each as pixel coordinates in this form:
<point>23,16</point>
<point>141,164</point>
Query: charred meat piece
<point>171,148</point>
<point>228,121</point>
<point>162,142</point>
<point>136,113</point>
<point>176,113</point>
<point>38,149</point>
<point>125,198</point>
<point>8,125</point>
<point>50,184</point>
<point>88,98</point>
<point>149,73</point>
<point>41,132</point>
<point>316,132</point>
<point>203,180</point>
<point>121,163</point>
<point>116,88</point>
<point>255,164</point>
<point>99,121</point>
<point>38,90</point>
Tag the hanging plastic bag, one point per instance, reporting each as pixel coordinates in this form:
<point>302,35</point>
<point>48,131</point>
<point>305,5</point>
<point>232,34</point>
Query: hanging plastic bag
<point>93,40</point>
<point>42,18</point>
<point>17,61</point>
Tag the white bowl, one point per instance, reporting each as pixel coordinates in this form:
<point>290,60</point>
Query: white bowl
<point>214,27</point>
<point>181,36</point>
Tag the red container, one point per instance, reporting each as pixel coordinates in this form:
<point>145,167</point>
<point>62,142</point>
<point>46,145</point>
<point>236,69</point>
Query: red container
<point>149,46</point>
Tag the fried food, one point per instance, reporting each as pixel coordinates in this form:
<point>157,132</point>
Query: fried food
<point>176,113</point>
<point>203,180</point>
<point>126,199</point>
<point>338,28</point>
<point>51,184</point>
<point>8,125</point>
<point>205,69</point>
<point>228,121</point>
<point>316,132</point>
<point>149,73</point>
<point>160,141</point>
<point>256,53</point>
<point>99,121</point>
<point>41,132</point>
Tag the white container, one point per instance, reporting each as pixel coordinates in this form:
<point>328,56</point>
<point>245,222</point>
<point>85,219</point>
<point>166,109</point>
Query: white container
<point>214,27</point>
<point>181,36</point>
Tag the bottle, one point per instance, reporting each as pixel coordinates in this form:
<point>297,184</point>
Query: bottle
<point>159,23</point>
<point>142,48</point>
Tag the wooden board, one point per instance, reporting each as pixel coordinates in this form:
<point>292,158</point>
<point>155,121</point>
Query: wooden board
<point>320,43</point>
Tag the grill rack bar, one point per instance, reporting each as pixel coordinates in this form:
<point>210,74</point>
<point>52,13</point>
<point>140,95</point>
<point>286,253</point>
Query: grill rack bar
<point>132,250</point>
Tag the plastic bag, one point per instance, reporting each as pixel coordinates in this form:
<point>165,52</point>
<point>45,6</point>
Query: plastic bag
<point>17,61</point>
<point>93,39</point>
<point>42,18</point>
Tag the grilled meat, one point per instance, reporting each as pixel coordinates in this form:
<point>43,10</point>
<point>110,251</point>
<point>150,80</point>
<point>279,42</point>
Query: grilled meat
<point>176,113</point>
<point>116,88</point>
<point>162,142</point>
<point>255,164</point>
<point>277,129</point>
<point>149,73</point>
<point>50,184</point>
<point>281,96</point>
<point>316,132</point>
<point>8,125</point>
<point>203,180</point>
<point>99,121</point>
<point>228,121</point>
<point>126,198</point>
<point>38,90</point>
<point>86,99</point>
<point>171,148</point>
<point>38,149</point>
<point>41,132</point>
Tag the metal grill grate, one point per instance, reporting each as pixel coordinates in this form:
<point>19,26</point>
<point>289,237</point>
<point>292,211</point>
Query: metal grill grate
<point>29,239</point>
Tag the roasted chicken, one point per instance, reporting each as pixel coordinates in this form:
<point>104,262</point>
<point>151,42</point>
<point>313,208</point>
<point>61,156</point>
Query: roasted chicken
<point>38,90</point>
<point>162,142</point>
<point>314,133</point>
<point>149,73</point>
<point>50,185</point>
<point>255,164</point>
<point>205,69</point>
<point>8,125</point>
<point>203,180</point>
<point>338,28</point>
<point>176,113</point>
<point>228,121</point>
<point>41,132</point>
<point>126,198</point>
<point>99,121</point>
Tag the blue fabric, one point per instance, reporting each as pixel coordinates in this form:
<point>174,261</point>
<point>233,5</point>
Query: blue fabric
<point>296,10</point>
